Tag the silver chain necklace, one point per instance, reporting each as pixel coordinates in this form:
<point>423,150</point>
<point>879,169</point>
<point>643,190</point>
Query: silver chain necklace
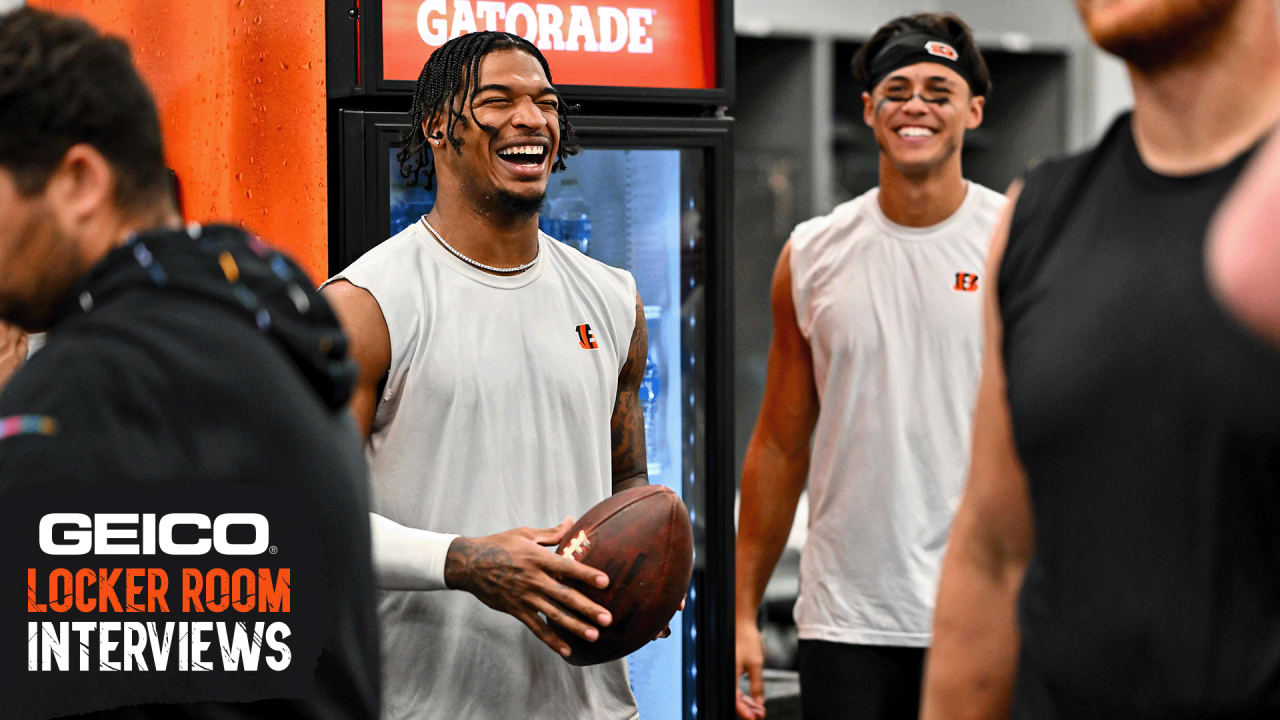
<point>482,266</point>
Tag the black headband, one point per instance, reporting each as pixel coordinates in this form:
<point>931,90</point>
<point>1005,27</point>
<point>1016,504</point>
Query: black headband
<point>912,48</point>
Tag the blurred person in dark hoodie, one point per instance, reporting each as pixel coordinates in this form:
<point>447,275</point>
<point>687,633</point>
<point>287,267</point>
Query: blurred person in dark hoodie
<point>178,359</point>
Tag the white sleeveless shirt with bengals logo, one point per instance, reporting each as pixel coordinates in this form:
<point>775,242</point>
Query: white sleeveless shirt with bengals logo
<point>495,415</point>
<point>893,317</point>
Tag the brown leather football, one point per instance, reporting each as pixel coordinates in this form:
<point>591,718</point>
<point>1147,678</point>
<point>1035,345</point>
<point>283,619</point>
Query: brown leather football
<point>641,539</point>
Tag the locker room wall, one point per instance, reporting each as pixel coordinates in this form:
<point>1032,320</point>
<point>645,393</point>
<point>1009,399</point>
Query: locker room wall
<point>240,89</point>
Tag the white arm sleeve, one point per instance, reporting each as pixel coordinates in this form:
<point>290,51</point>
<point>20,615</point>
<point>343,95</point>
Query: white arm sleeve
<point>406,558</point>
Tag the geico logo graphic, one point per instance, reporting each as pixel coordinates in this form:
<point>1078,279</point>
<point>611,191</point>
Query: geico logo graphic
<point>133,534</point>
<point>610,30</point>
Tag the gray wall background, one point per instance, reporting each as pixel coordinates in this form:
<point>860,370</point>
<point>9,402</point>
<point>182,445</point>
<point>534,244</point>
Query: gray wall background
<point>7,5</point>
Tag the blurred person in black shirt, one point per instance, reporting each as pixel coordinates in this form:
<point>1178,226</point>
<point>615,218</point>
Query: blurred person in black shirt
<point>1117,551</point>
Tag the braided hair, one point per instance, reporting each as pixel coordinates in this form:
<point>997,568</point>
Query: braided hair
<point>453,69</point>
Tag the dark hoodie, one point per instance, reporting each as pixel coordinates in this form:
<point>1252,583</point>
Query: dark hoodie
<point>197,371</point>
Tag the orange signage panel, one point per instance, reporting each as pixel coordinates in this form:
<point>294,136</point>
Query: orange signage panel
<point>627,43</point>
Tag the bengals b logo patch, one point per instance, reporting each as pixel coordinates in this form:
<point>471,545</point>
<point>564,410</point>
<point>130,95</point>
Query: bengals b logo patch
<point>966,282</point>
<point>586,340</point>
<point>942,50</point>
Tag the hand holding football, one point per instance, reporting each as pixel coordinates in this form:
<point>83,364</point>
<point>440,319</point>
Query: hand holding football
<point>641,538</point>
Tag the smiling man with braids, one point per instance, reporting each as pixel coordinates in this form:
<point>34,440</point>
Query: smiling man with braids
<point>484,409</point>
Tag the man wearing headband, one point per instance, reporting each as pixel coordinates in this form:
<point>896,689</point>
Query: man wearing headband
<point>875,357</point>
<point>1117,552</point>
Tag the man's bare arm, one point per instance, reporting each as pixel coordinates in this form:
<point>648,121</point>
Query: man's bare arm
<point>626,427</point>
<point>369,343</point>
<point>773,476</point>
<point>973,660</point>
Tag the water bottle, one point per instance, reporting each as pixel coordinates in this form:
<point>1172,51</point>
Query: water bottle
<point>570,212</point>
<point>548,222</point>
<point>398,217</point>
<point>650,404</point>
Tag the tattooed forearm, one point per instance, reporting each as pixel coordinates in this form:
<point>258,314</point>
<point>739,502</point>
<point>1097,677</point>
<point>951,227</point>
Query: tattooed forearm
<point>457,562</point>
<point>630,468</point>
<point>627,425</point>
<point>473,562</point>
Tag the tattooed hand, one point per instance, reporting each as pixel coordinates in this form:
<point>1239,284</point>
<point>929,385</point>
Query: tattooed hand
<point>512,572</point>
<point>13,350</point>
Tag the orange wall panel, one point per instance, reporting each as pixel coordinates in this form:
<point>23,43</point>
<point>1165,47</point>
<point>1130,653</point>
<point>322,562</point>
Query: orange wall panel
<point>240,85</point>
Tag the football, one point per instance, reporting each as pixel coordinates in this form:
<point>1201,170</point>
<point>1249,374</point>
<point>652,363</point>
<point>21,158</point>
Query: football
<point>641,538</point>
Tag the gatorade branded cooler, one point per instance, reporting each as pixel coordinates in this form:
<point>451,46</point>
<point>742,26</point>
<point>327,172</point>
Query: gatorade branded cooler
<point>650,192</point>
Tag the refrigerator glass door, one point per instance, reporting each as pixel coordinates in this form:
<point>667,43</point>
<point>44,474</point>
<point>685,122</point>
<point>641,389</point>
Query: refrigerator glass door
<point>642,209</point>
<point>408,203</point>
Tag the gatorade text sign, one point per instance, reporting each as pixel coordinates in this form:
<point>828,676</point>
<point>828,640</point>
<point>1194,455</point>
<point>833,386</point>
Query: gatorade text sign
<point>626,43</point>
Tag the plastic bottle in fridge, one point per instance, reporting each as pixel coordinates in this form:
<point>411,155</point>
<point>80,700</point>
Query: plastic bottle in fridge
<point>548,222</point>
<point>569,216</point>
<point>655,445</point>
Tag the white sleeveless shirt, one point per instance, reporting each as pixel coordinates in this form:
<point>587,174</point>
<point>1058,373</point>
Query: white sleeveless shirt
<point>893,318</point>
<point>495,415</point>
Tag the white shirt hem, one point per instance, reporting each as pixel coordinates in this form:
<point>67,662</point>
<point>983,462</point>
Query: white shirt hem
<point>861,636</point>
